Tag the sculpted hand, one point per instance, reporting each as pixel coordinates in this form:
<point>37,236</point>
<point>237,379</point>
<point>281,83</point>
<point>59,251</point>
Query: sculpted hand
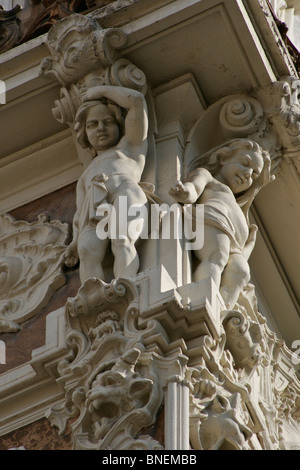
<point>71,255</point>
<point>183,192</point>
<point>93,93</point>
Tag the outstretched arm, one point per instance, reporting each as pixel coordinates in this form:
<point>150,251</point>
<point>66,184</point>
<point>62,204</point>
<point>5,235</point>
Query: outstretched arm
<point>191,189</point>
<point>136,121</point>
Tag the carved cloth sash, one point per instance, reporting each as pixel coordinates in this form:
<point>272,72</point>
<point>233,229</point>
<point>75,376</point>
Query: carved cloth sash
<point>216,218</point>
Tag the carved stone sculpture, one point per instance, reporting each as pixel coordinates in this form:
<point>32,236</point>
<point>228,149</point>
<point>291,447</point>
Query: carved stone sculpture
<point>31,257</point>
<point>80,46</point>
<point>226,180</point>
<point>243,339</point>
<point>120,146</point>
<point>111,387</point>
<point>221,428</point>
<point>22,24</point>
<point>102,99</point>
<point>9,28</point>
<point>282,107</point>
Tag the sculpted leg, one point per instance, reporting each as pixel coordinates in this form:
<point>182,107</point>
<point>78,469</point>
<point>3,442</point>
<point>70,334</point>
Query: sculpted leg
<point>213,256</point>
<point>91,251</point>
<point>126,262</point>
<point>236,275</point>
<point>126,258</point>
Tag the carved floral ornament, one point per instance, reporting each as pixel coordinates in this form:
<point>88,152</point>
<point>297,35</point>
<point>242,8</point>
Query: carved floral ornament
<point>84,55</point>
<point>30,267</point>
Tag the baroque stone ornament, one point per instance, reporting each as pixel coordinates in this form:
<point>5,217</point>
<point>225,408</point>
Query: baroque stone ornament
<point>136,347</point>
<point>84,55</point>
<point>101,94</point>
<point>19,25</point>
<point>79,45</point>
<point>226,180</point>
<point>9,28</point>
<point>282,108</point>
<point>112,390</point>
<point>31,257</point>
<point>111,178</point>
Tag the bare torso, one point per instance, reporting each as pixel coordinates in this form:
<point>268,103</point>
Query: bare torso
<point>116,167</point>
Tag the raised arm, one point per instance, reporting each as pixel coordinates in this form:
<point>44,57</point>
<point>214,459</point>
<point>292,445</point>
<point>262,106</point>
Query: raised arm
<point>136,121</point>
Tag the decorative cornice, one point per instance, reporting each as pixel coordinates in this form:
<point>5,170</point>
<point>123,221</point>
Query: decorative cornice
<point>20,25</point>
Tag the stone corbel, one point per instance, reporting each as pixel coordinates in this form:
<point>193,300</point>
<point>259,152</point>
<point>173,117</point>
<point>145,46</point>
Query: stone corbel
<point>112,391</point>
<point>80,46</point>
<point>128,349</point>
<point>232,117</point>
<point>282,107</point>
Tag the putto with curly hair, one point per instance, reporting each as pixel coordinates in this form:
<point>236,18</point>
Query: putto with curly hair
<point>113,122</point>
<point>80,119</point>
<point>226,180</point>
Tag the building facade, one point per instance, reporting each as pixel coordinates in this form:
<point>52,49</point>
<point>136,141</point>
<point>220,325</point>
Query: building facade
<point>150,202</point>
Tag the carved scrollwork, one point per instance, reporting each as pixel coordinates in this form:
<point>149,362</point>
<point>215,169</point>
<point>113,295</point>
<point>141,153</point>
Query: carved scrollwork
<point>79,45</point>
<point>30,267</point>
<point>10,31</point>
<point>125,73</point>
<point>282,107</point>
<point>217,416</point>
<point>243,338</point>
<point>241,116</point>
<point>111,387</point>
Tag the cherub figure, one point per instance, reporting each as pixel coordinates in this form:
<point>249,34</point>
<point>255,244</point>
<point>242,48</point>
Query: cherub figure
<point>226,180</point>
<point>120,147</point>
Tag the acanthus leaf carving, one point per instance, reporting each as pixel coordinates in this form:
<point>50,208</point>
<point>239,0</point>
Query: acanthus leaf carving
<point>80,46</point>
<point>282,108</point>
<point>31,258</point>
<point>112,390</point>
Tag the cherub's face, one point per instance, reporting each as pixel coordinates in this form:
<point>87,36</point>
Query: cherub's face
<point>240,171</point>
<point>101,127</point>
